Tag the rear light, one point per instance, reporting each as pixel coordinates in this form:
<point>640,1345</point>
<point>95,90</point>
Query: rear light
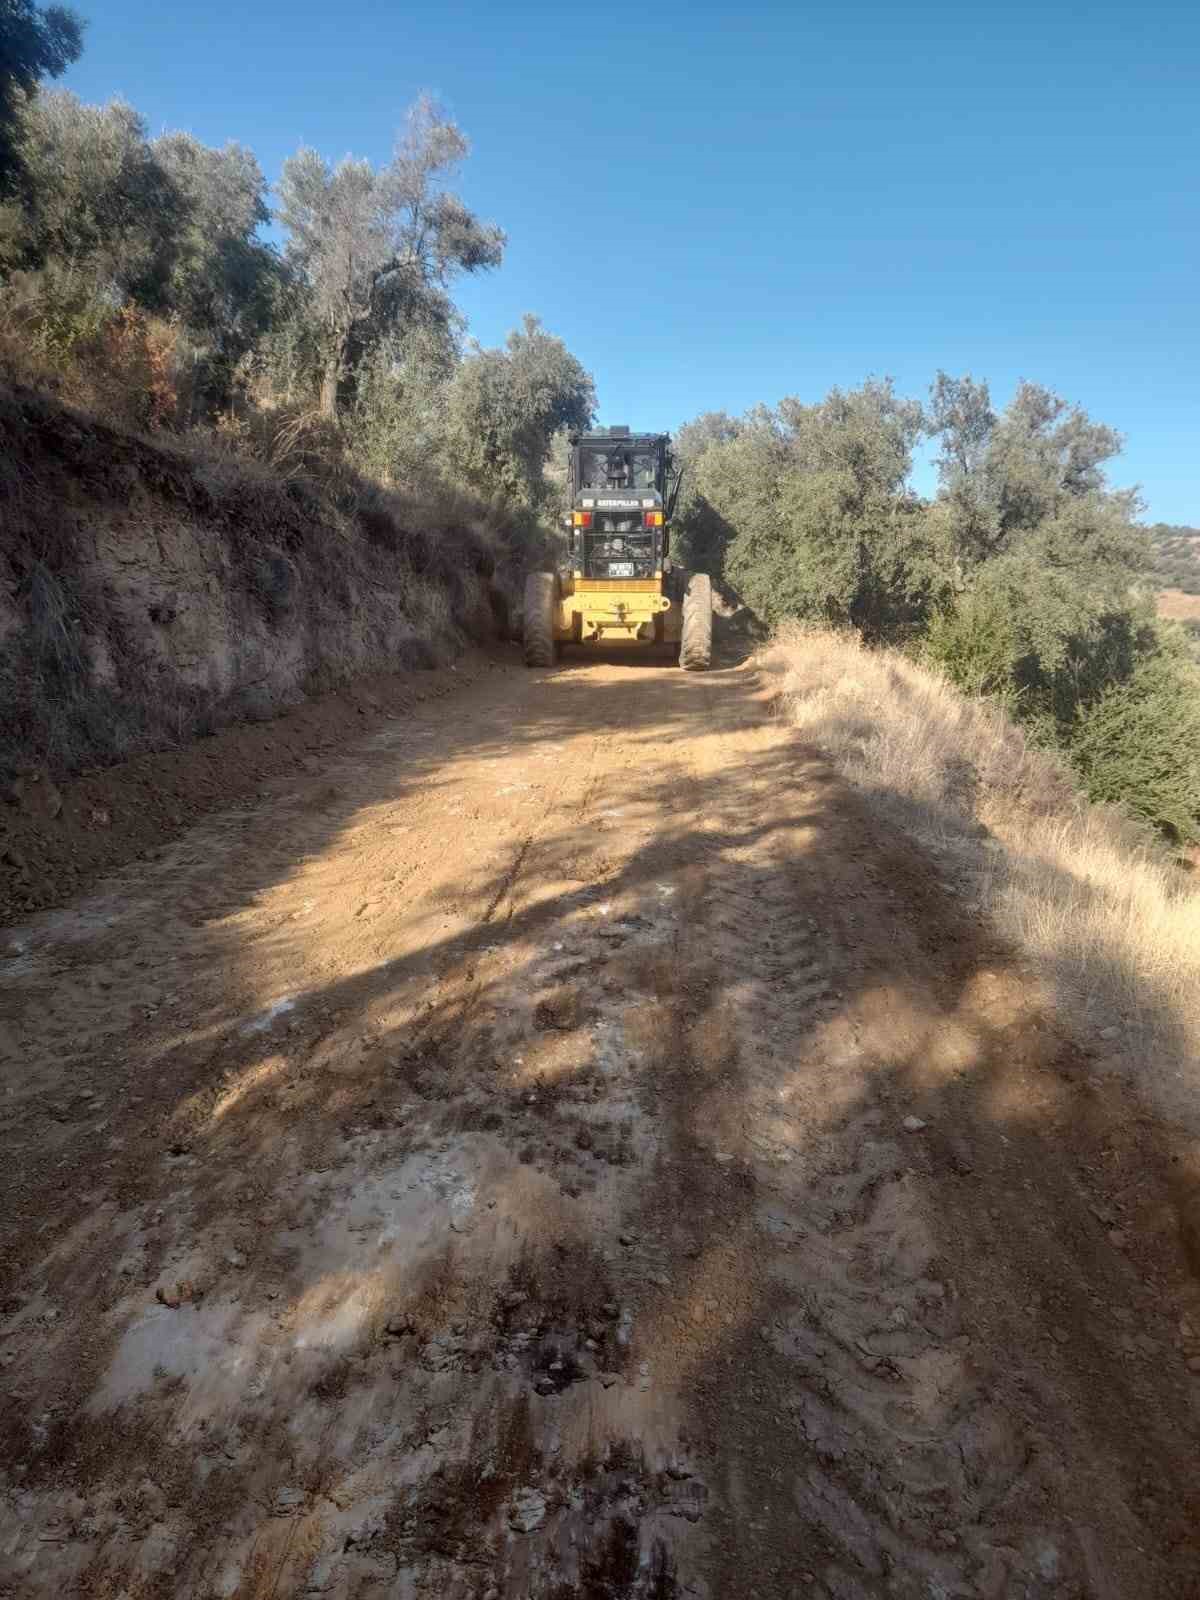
<point>653,519</point>
<point>581,519</point>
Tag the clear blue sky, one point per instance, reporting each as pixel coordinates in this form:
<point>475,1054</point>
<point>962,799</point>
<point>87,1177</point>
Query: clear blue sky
<point>715,206</point>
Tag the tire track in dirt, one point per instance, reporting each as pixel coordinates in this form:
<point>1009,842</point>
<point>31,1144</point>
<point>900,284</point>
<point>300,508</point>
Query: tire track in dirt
<point>457,989</point>
<point>665,1193</point>
<point>923,1466</point>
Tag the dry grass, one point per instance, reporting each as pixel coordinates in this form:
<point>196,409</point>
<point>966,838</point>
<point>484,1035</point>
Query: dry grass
<point>1103,916</point>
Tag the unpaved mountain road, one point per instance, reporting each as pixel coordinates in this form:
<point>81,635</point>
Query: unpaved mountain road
<point>565,1146</point>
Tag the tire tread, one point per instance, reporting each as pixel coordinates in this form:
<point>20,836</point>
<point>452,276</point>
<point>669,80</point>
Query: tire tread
<point>695,650</point>
<point>539,619</point>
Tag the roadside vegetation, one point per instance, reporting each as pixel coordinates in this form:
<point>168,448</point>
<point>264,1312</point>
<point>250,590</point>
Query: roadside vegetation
<point>234,473</point>
<point>135,285</point>
<point>134,282</point>
<point>1108,924</point>
<point>1027,579</point>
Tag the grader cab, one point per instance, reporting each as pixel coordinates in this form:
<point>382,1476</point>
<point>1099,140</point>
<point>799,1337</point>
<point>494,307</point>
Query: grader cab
<point>617,583</point>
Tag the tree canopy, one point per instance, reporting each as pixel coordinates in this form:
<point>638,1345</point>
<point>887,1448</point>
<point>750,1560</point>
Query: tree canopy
<point>378,250</point>
<point>99,204</point>
<point>35,42</point>
<point>221,276</point>
<point>812,500</point>
<point>1026,575</point>
<point>506,405</point>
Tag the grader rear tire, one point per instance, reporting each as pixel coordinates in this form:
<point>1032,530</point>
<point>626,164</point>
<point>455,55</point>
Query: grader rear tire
<point>695,650</point>
<point>540,605</point>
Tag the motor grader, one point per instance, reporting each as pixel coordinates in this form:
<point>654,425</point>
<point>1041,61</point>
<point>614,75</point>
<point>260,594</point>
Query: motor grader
<point>616,582</point>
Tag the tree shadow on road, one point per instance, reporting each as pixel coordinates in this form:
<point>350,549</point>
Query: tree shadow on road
<point>909,1264</point>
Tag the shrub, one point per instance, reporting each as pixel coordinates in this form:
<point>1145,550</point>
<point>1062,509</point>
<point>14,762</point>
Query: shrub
<point>135,357</point>
<point>1138,745</point>
<point>55,312</point>
<point>1122,702</point>
<point>131,368</point>
<point>975,645</point>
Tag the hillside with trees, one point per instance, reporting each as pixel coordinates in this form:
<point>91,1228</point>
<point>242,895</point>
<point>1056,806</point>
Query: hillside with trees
<point>1027,577</point>
<point>1176,556</point>
<point>136,284</point>
<point>135,277</point>
<point>234,473</point>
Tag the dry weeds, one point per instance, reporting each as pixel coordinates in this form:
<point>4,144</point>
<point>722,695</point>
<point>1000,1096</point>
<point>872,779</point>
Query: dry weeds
<point>1106,919</point>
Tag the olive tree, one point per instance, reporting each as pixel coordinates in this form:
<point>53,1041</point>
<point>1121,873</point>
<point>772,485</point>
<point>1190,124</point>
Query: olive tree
<point>808,505</point>
<point>506,406</point>
<point>221,276</point>
<point>99,206</point>
<point>35,42</point>
<point>378,249</point>
<point>1003,475</point>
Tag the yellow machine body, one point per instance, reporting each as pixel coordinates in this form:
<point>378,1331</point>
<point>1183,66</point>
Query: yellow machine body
<point>614,611</point>
<point>615,581</point>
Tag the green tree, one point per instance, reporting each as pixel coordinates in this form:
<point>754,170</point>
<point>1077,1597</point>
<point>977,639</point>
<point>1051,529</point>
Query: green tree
<point>1047,561</point>
<point>100,209</point>
<point>221,278</point>
<point>1050,607</point>
<point>378,249</point>
<point>695,437</point>
<point>35,43</point>
<point>506,406</point>
<point>1003,475</point>
<point>808,506</point>
<point>111,219</point>
<point>701,535</point>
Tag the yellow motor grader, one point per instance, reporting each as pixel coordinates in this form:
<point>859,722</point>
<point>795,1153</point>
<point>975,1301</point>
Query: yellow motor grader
<point>617,583</point>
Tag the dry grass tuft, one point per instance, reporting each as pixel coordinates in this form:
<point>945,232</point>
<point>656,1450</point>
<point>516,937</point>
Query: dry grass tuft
<point>1104,916</point>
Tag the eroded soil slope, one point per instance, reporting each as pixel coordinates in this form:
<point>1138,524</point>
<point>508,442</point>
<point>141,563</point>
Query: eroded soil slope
<point>564,1146</point>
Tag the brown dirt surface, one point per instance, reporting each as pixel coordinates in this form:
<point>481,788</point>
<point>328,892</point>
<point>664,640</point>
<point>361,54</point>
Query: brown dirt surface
<point>560,1142</point>
<point>1178,605</point>
<point>58,841</point>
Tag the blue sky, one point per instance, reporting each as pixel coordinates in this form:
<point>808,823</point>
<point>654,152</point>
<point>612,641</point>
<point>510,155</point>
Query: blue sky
<point>717,205</point>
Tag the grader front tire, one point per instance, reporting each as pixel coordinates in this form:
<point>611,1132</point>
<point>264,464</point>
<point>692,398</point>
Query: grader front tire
<point>540,605</point>
<point>695,650</point>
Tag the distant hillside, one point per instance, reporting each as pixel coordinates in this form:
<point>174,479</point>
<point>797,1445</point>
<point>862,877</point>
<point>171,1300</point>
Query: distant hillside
<point>1176,556</point>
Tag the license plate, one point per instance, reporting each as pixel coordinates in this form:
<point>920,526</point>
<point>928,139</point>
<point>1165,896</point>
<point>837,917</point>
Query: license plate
<point>620,569</point>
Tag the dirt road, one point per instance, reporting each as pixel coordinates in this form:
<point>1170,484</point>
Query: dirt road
<point>564,1146</point>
